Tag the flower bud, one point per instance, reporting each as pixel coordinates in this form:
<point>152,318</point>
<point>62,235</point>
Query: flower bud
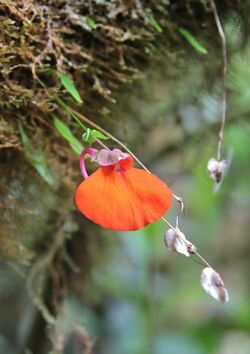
<point>217,169</point>
<point>176,241</point>
<point>214,285</point>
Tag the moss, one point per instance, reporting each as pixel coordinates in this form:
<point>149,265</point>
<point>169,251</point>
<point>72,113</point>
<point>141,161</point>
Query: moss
<point>103,46</point>
<point>100,44</point>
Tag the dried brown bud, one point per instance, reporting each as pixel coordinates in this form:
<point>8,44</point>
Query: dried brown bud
<point>176,241</point>
<point>217,169</point>
<point>214,285</point>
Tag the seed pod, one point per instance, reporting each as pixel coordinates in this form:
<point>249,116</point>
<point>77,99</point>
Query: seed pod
<point>177,242</point>
<point>214,285</point>
<point>217,169</point>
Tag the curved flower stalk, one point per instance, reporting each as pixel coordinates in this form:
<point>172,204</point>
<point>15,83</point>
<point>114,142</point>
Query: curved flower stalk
<point>174,240</point>
<point>119,196</point>
<point>119,163</point>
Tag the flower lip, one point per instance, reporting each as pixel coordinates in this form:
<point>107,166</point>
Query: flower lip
<point>119,196</point>
<point>106,159</point>
<point>114,157</point>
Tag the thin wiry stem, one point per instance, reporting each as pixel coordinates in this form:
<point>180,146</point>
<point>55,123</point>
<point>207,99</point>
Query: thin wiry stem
<point>76,115</point>
<point>112,137</point>
<point>177,231</point>
<point>220,135</point>
<point>96,126</point>
<point>224,95</point>
<point>101,143</point>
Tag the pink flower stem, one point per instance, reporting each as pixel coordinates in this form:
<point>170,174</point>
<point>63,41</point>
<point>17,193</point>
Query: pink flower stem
<point>87,151</point>
<point>101,143</point>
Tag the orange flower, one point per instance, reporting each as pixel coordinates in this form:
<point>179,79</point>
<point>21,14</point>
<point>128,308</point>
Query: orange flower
<point>118,196</point>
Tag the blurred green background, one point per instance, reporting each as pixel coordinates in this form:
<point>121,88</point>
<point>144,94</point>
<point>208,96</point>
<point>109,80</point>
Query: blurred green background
<point>137,297</point>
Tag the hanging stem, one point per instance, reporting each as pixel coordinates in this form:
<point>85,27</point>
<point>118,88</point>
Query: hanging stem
<point>76,115</point>
<point>177,231</point>
<point>220,135</point>
<point>101,143</point>
<point>112,137</point>
<point>96,126</point>
<point>224,95</point>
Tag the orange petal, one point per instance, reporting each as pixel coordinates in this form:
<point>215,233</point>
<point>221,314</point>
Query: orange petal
<point>124,201</point>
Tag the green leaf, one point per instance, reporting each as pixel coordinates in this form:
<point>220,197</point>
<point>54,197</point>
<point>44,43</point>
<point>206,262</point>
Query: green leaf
<point>90,22</point>
<point>36,158</point>
<point>193,41</point>
<point>25,24</point>
<point>87,135</point>
<point>78,121</point>
<point>26,141</point>
<point>70,87</point>
<point>76,146</point>
<point>63,129</point>
<point>155,24</point>
<point>65,132</point>
<point>99,135</point>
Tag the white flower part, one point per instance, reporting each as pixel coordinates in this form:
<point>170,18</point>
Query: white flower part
<point>110,157</point>
<point>177,242</point>
<point>106,157</point>
<point>119,155</point>
<point>214,285</point>
<point>217,169</point>
<point>94,156</point>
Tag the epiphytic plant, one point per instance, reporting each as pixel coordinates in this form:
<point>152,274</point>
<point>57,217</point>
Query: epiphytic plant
<point>120,197</point>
